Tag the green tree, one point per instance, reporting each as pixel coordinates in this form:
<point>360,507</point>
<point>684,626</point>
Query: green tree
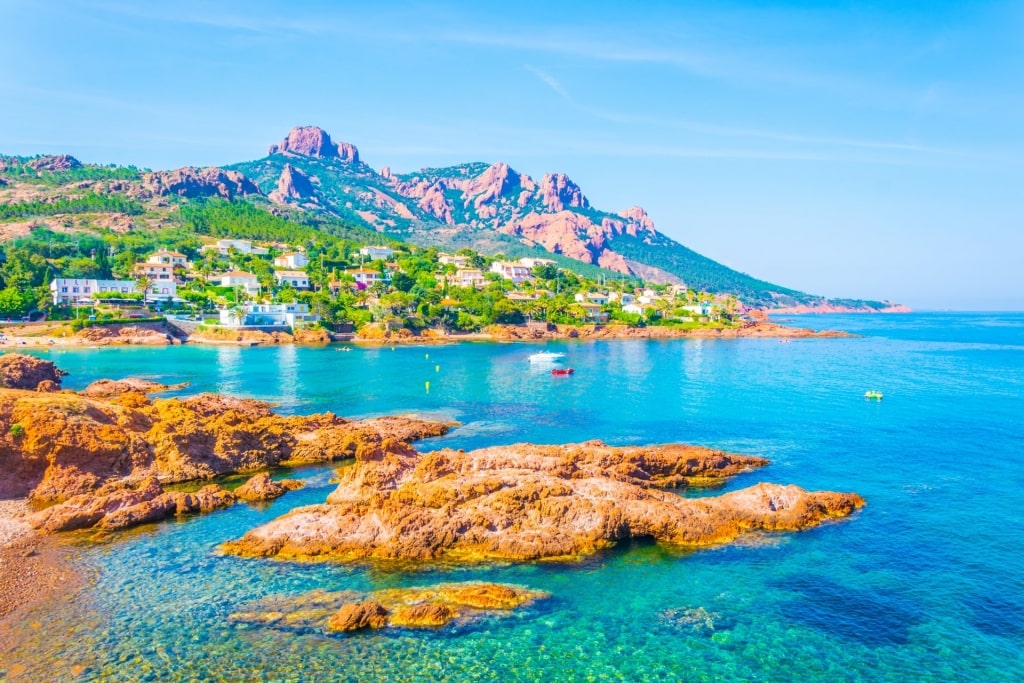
<point>12,303</point>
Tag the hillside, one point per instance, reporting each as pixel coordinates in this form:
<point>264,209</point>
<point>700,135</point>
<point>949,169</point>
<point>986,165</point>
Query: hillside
<point>490,208</point>
<point>321,184</point>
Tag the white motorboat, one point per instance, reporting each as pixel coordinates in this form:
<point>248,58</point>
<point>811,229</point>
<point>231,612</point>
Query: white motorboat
<point>546,357</point>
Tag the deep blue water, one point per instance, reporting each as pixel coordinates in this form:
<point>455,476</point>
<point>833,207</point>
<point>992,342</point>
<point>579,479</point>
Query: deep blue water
<point>924,584</point>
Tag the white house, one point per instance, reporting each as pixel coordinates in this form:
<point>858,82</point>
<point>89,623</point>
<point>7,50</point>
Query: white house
<point>248,282</point>
<point>170,258</point>
<point>377,253</point>
<point>468,277</point>
<point>622,297</point>
<point>241,246</point>
<point>365,277</point>
<point>703,308</point>
<point>593,313</point>
<point>295,278</point>
<point>592,297</point>
<point>293,260</point>
<point>530,262</point>
<point>633,308</point>
<point>458,260</point>
<point>266,315</point>
<point>81,290</point>
<point>516,272</point>
<point>154,271</point>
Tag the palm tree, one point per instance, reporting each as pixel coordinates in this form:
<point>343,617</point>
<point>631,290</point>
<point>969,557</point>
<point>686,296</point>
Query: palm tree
<point>143,283</point>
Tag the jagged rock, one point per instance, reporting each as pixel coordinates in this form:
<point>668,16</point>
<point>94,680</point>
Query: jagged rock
<point>437,204</point>
<point>54,163</point>
<point>557,191</point>
<point>19,371</point>
<point>68,444</point>
<point>293,184</point>
<point>312,141</point>
<point>261,487</point>
<point>88,509</point>
<point>118,506</point>
<point>47,386</point>
<point>528,502</point>
<point>639,217</point>
<point>194,182</point>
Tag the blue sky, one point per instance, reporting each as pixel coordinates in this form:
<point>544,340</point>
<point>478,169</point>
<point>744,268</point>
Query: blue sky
<point>842,149</point>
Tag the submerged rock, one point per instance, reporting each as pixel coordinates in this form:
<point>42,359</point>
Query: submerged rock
<point>420,607</point>
<point>106,388</point>
<point>355,616</point>
<point>528,502</point>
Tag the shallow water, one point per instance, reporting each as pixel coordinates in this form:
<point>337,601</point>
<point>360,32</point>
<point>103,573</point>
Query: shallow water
<point>924,584</point>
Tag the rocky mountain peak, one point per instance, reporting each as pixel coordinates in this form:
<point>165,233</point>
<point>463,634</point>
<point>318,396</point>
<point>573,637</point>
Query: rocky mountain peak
<point>194,182</point>
<point>54,163</point>
<point>292,184</point>
<point>496,181</point>
<point>312,141</point>
<point>558,191</point>
<point>637,215</point>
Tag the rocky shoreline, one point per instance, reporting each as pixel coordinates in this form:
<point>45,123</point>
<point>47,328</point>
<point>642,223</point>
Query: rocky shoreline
<point>156,334</point>
<point>98,460</point>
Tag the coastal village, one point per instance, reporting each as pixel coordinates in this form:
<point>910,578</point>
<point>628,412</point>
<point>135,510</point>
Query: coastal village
<point>220,286</point>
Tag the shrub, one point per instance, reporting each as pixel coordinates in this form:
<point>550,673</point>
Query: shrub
<point>17,431</point>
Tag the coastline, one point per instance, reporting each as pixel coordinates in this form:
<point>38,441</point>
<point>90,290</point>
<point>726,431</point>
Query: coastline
<point>154,334</point>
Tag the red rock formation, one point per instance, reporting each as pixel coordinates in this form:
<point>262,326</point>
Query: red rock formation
<point>497,181</point>
<point>194,182</point>
<point>19,371</point>
<point>528,502</point>
<point>426,607</point>
<point>637,217</point>
<point>293,184</point>
<point>311,141</point>
<point>261,487</point>
<point>356,616</point>
<point>67,444</point>
<point>436,203</point>
<point>557,192</point>
<point>118,506</point>
<point>108,388</point>
<point>54,163</point>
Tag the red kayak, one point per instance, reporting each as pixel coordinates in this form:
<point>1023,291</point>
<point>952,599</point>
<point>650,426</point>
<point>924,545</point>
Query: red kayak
<point>561,372</point>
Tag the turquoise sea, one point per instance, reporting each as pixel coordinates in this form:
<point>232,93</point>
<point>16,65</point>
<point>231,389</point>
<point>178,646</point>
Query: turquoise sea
<point>926,583</point>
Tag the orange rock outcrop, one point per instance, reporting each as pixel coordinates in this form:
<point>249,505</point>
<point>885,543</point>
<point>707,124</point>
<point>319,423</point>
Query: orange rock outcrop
<point>528,502</point>
<point>66,444</point>
<point>261,487</point>
<point>19,371</point>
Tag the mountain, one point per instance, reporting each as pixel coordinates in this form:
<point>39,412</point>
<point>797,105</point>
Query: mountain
<point>491,208</point>
<point>309,178</point>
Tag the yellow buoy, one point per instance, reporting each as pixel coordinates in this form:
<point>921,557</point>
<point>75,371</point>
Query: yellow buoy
<point>426,355</point>
<point>437,368</point>
<point>428,386</point>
